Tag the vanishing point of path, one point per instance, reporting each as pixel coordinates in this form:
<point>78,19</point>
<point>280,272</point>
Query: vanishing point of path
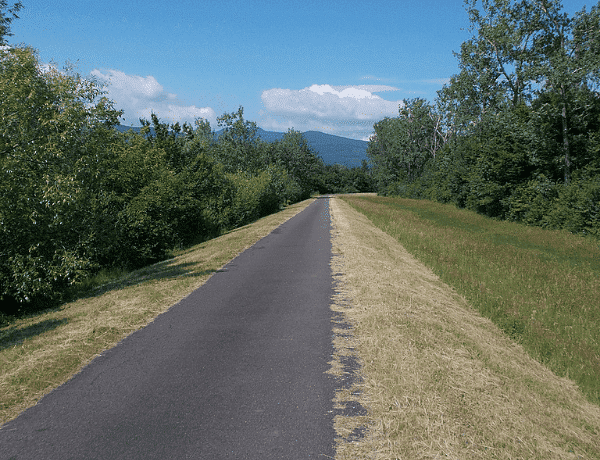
<point>235,370</point>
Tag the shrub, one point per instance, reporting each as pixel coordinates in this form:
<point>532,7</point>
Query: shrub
<point>40,277</point>
<point>576,208</point>
<point>249,197</point>
<point>51,124</point>
<point>530,202</point>
<point>145,230</point>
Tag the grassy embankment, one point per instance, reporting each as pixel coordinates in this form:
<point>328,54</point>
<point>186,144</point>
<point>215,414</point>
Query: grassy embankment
<point>40,352</point>
<point>540,287</point>
<point>439,379</point>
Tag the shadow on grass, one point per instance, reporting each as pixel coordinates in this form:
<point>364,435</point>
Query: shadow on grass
<point>11,310</point>
<point>14,336</point>
<point>97,286</point>
<point>160,271</point>
<point>113,279</point>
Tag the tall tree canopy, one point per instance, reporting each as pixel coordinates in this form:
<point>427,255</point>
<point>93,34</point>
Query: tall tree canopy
<point>520,121</point>
<point>7,16</point>
<point>52,126</point>
<point>522,51</point>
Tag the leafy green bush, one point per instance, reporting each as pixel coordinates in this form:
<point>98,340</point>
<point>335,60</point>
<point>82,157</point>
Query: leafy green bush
<point>41,276</point>
<point>530,202</point>
<point>201,189</point>
<point>576,208</point>
<point>285,189</point>
<point>257,196</point>
<point>145,230</point>
<point>293,155</point>
<point>51,123</point>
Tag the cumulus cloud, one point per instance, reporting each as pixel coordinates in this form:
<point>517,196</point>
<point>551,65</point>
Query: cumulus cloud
<point>139,97</point>
<point>342,110</point>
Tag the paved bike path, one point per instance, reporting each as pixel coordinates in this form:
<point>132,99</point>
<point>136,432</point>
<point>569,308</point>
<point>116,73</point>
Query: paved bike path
<point>235,370</point>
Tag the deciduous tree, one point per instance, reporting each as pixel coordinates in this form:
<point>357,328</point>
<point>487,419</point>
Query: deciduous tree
<point>54,125</point>
<point>402,146</point>
<point>7,16</point>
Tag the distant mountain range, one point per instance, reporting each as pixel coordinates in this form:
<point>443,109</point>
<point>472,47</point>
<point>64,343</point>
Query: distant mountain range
<point>332,149</point>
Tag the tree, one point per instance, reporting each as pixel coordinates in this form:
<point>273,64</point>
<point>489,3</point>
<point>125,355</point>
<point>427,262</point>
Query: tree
<point>7,16</point>
<point>171,139</point>
<point>294,154</point>
<point>402,146</point>
<point>504,52</point>
<point>519,51</point>
<point>237,147</point>
<point>500,160</point>
<point>54,127</point>
<point>569,67</point>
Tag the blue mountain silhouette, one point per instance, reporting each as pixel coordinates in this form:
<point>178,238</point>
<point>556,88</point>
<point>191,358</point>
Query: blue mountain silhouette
<point>332,149</point>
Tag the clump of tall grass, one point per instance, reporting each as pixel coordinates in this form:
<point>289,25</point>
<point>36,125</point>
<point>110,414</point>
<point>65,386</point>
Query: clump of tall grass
<point>541,287</point>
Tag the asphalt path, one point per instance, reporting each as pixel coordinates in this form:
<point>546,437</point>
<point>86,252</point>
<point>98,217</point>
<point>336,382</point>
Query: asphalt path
<point>235,370</point>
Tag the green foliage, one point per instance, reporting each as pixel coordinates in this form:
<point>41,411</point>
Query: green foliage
<point>531,201</point>
<point>341,179</point>
<point>499,162</point>
<point>148,204</point>
<point>447,178</point>
<point>401,147</point>
<point>255,196</point>
<point>576,208</point>
<point>247,194</point>
<point>78,197</point>
<point>238,146</point>
<point>284,189</point>
<point>294,155</point>
<point>48,168</point>
<point>7,16</point>
<point>145,232</point>
<point>518,129</point>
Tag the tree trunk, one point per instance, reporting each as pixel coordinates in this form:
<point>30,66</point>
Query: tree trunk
<point>565,136</point>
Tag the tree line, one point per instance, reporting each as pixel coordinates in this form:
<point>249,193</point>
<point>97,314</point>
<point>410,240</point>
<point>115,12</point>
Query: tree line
<point>516,133</point>
<point>77,195</point>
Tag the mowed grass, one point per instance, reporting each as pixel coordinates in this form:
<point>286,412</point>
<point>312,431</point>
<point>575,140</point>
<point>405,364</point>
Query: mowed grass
<point>42,351</point>
<point>541,287</point>
<point>437,379</point>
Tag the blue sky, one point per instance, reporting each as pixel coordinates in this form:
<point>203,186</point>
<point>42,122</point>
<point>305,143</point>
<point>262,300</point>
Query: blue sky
<point>330,66</point>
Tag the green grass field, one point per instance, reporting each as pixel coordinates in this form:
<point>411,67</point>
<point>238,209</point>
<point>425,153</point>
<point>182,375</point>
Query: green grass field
<point>541,287</point>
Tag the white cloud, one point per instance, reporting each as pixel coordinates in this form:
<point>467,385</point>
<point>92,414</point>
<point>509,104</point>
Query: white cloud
<point>353,92</point>
<point>376,88</point>
<point>139,97</point>
<point>373,77</point>
<point>341,110</point>
<point>437,81</point>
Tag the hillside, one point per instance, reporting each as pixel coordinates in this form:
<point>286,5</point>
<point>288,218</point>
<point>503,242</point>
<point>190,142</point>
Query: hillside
<point>336,149</point>
<point>332,149</point>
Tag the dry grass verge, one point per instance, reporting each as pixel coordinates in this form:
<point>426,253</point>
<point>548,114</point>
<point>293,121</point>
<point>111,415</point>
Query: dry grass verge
<point>41,352</point>
<point>541,287</point>
<point>438,379</point>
